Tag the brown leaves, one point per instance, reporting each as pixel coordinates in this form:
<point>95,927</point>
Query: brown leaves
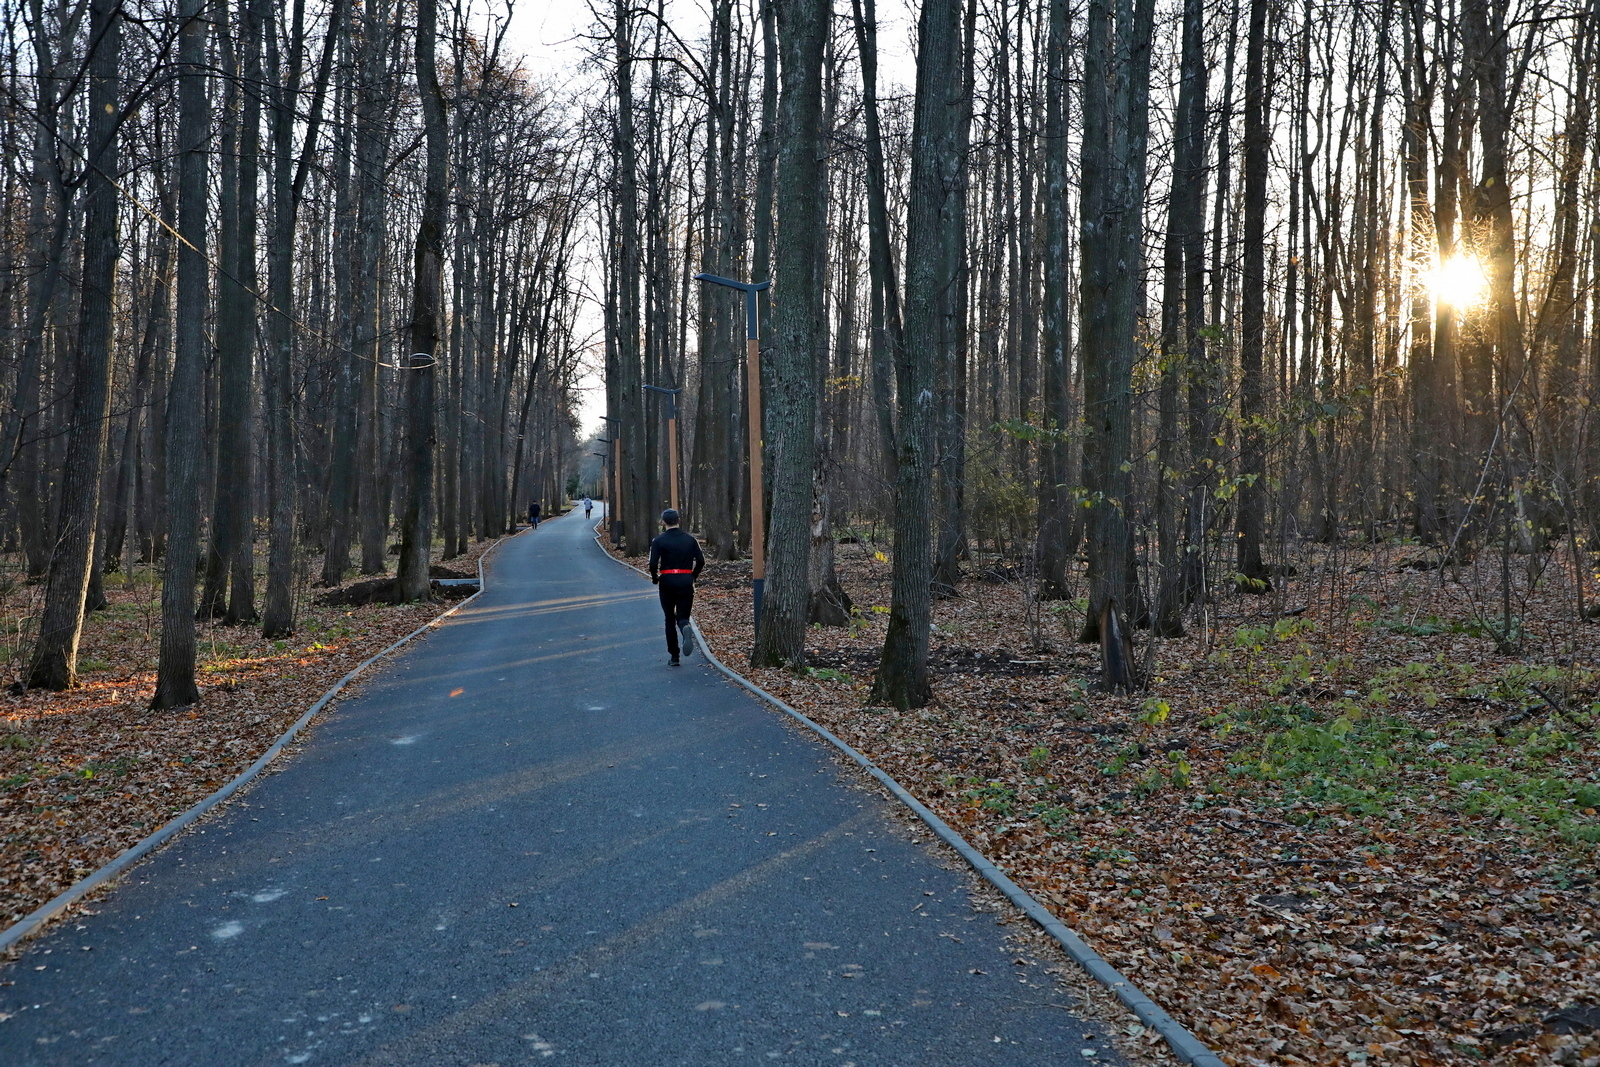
<point>1413,924</point>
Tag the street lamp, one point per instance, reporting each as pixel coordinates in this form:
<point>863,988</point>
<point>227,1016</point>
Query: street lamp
<point>615,510</point>
<point>605,475</point>
<point>752,333</point>
<point>672,435</point>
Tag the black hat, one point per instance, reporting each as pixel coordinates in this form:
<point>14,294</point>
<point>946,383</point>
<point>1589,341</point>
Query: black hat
<point>669,517</point>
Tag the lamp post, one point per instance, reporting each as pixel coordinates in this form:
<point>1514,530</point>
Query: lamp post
<point>605,476</point>
<point>752,333</point>
<point>614,512</point>
<point>672,436</point>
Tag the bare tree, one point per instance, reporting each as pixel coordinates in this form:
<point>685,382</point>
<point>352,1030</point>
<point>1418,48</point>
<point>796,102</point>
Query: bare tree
<point>55,652</point>
<point>175,684</point>
<point>934,244</point>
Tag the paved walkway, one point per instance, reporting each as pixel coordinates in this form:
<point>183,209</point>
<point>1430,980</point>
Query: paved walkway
<point>527,839</point>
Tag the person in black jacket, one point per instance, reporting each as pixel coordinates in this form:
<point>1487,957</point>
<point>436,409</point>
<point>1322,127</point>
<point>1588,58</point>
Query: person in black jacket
<point>533,515</point>
<point>675,562</point>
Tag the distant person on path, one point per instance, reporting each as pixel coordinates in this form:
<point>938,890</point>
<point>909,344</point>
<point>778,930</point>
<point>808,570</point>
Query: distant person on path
<point>588,506</point>
<point>533,515</point>
<point>675,562</point>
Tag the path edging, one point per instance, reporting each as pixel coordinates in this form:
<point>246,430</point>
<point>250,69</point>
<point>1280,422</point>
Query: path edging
<point>1184,1044</point>
<point>35,920</point>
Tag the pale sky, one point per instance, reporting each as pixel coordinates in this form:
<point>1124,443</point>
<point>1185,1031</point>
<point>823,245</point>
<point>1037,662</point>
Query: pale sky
<point>549,35</point>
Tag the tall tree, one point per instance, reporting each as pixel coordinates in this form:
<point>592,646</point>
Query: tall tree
<point>1183,344</point>
<point>1055,543</point>
<point>416,522</point>
<point>791,399</point>
<point>1252,498</point>
<point>55,652</point>
<point>887,338</point>
<point>934,244</point>
<point>1116,88</point>
<point>289,173</point>
<point>175,684</point>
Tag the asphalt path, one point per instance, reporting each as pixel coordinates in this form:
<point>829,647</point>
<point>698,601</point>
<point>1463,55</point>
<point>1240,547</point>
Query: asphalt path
<point>528,839</point>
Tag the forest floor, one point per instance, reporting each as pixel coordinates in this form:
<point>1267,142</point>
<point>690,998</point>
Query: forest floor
<point>87,773</point>
<point>1342,826</point>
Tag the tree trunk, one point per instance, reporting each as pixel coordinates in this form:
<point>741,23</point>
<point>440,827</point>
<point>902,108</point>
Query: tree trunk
<point>416,524</point>
<point>341,489</point>
<point>790,389</point>
<point>1055,548</point>
<point>289,176</point>
<point>175,684</point>
<point>1116,127</point>
<point>55,653</point>
<point>1183,343</point>
<point>934,242</point>
<point>1251,527</point>
<point>372,149</point>
<point>887,339</point>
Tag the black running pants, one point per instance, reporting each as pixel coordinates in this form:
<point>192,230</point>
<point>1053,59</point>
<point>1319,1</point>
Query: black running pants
<point>677,598</point>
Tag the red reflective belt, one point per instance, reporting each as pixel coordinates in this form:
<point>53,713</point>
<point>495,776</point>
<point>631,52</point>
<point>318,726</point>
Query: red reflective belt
<point>678,572</point>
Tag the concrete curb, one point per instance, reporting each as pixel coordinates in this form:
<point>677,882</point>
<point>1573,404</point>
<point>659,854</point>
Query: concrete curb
<point>1184,1044</point>
<point>34,921</point>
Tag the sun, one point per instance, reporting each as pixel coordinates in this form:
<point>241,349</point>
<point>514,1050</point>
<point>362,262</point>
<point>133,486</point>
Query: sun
<point>1458,282</point>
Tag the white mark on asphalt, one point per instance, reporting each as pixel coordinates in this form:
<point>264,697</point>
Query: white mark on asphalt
<point>298,1057</point>
<point>597,707</point>
<point>710,1005</point>
<point>409,739</point>
<point>267,896</point>
<point>227,930</point>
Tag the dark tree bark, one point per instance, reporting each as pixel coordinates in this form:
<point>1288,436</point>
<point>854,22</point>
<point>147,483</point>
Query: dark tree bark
<point>1183,343</point>
<point>950,433</point>
<point>1116,91</point>
<point>1056,523</point>
<point>934,242</point>
<point>1252,496</point>
<point>289,177</point>
<point>416,522</point>
<point>887,339</point>
<point>175,684</point>
<point>340,514</point>
<point>372,149</point>
<point>634,508</point>
<point>231,558</point>
<point>790,397</point>
<point>55,653</point>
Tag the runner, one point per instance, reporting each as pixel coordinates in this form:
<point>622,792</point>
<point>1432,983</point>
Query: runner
<point>675,562</point>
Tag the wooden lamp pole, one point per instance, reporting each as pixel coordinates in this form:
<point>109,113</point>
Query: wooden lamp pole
<point>672,436</point>
<point>614,505</point>
<point>758,543</point>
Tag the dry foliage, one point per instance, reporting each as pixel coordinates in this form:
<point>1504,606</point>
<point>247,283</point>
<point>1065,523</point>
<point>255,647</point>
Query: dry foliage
<point>1343,826</point>
<point>87,773</point>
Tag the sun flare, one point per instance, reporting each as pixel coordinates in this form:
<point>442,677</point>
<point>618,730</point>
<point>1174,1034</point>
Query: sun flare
<point>1458,282</point>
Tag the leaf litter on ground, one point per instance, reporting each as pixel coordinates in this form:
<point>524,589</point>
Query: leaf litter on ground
<point>1348,828</point>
